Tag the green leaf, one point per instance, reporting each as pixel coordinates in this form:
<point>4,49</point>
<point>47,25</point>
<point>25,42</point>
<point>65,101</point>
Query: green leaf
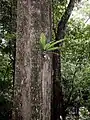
<point>42,40</point>
<point>54,43</point>
<point>53,48</point>
<point>48,45</point>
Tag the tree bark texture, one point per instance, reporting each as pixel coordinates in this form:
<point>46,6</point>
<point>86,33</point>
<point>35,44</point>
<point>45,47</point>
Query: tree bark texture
<point>32,71</point>
<point>58,100</point>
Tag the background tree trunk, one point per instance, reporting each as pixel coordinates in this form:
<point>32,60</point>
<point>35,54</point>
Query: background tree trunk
<point>58,96</point>
<point>32,70</point>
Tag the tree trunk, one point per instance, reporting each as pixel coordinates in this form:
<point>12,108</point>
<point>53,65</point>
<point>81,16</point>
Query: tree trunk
<point>58,100</point>
<point>32,70</point>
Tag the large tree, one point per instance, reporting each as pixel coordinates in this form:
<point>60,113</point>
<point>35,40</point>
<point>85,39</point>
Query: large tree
<point>32,69</point>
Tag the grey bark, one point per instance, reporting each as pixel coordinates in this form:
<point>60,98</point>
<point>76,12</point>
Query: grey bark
<point>32,71</point>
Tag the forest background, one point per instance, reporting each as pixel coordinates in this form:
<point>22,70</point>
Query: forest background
<point>75,58</point>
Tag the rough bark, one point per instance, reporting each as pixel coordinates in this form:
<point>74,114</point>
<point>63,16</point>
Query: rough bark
<point>33,71</point>
<point>58,100</point>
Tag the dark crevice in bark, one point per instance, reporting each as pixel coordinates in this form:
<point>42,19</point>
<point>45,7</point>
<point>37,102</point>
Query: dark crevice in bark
<point>58,100</point>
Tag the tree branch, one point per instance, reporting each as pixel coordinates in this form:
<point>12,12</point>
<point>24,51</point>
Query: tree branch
<point>64,19</point>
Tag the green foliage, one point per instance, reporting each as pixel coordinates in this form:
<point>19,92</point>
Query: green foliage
<point>84,114</point>
<point>59,7</point>
<point>76,65</point>
<point>7,43</point>
<point>48,46</point>
<point>5,85</point>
